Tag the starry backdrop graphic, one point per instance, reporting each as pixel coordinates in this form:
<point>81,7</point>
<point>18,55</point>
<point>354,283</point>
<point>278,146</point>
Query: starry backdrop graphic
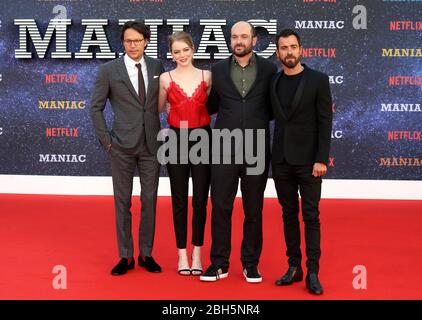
<point>362,127</point>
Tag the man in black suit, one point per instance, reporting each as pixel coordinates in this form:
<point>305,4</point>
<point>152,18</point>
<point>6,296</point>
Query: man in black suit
<point>131,84</point>
<point>302,107</point>
<point>240,95</point>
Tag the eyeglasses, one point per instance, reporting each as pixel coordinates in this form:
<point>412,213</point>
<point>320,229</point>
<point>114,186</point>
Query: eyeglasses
<point>136,42</point>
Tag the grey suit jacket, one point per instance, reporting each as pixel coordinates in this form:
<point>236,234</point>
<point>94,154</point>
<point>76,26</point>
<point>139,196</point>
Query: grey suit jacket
<point>130,116</point>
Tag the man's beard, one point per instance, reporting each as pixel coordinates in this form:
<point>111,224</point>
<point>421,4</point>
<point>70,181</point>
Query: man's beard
<point>291,63</point>
<point>243,53</point>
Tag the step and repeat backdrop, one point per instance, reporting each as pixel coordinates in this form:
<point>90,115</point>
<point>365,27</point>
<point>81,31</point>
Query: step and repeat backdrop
<point>50,51</point>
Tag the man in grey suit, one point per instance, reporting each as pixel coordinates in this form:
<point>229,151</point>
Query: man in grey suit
<point>131,84</point>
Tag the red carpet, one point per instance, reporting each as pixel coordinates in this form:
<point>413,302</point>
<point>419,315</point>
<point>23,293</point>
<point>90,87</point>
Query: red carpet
<point>39,232</point>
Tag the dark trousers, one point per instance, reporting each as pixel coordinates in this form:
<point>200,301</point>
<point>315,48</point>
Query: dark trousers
<point>288,180</point>
<point>224,184</point>
<point>123,165</point>
<point>179,183</point>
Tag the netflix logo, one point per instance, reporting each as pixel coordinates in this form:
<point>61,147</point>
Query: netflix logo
<point>61,132</point>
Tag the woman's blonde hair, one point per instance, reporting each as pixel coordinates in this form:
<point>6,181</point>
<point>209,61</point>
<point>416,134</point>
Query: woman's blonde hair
<point>180,36</point>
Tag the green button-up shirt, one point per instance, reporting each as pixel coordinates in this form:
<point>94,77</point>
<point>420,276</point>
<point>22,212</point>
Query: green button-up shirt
<point>243,77</point>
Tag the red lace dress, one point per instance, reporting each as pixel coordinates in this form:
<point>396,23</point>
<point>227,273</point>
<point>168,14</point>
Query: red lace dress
<point>189,109</point>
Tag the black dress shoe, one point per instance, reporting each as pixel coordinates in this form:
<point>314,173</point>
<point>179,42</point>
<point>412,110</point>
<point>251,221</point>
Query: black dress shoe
<point>123,266</point>
<point>294,274</point>
<point>313,284</point>
<point>149,264</point>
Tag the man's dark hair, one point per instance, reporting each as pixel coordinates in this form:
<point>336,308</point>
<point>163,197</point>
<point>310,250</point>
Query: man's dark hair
<point>138,26</point>
<point>287,33</point>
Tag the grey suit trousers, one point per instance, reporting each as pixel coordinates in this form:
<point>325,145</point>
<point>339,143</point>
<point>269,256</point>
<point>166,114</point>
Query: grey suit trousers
<point>123,165</point>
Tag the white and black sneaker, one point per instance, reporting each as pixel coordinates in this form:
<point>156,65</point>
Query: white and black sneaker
<point>252,274</point>
<point>214,273</point>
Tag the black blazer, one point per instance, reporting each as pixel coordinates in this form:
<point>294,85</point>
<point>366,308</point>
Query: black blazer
<point>235,112</point>
<point>303,137</point>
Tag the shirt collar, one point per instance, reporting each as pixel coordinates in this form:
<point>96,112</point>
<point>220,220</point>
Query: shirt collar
<point>252,60</point>
<point>130,63</point>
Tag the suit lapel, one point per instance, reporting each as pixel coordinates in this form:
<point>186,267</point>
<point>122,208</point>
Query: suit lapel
<point>121,69</point>
<point>150,71</point>
<point>258,73</point>
<point>279,109</point>
<point>229,78</point>
<point>299,93</point>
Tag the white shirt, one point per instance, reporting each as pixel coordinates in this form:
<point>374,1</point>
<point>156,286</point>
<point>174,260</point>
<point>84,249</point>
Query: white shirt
<point>132,70</point>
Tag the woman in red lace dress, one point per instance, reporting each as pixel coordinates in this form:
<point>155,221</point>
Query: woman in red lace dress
<point>186,89</point>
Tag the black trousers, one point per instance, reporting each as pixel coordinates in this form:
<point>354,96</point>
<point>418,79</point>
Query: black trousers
<point>179,183</point>
<point>224,184</point>
<point>288,181</point>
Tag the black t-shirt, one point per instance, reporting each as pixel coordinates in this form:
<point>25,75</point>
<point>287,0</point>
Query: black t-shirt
<point>286,89</point>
